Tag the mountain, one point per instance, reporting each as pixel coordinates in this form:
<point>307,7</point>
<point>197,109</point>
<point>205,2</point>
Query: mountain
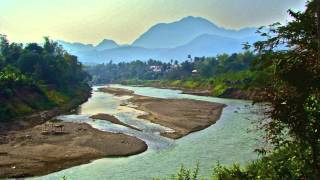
<point>79,47</point>
<point>106,44</point>
<point>205,45</point>
<point>191,35</point>
<point>75,47</point>
<point>171,35</point>
<point>121,54</point>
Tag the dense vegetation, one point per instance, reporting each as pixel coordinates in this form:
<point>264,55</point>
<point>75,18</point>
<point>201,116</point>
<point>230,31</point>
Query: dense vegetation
<point>215,74</point>
<point>35,78</point>
<point>293,119</point>
<point>156,70</point>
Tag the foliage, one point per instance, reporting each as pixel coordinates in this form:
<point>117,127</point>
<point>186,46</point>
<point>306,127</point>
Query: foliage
<point>294,94</point>
<point>283,163</point>
<point>213,74</point>
<point>185,174</point>
<point>11,76</point>
<point>30,68</point>
<point>243,80</point>
<point>205,67</point>
<point>235,172</point>
<point>292,54</point>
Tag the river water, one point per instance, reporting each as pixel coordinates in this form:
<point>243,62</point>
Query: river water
<point>231,139</point>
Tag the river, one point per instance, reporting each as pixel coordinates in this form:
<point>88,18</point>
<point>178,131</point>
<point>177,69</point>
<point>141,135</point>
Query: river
<point>231,139</point>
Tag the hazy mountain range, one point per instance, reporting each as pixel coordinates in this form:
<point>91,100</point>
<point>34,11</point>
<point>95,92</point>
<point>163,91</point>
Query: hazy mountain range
<point>165,41</point>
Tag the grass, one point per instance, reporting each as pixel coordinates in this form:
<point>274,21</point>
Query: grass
<point>24,100</point>
<point>54,96</point>
<point>243,80</point>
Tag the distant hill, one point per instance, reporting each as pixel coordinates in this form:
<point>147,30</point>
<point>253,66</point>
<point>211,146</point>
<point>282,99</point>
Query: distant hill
<point>75,47</point>
<point>191,35</point>
<point>178,33</point>
<point>121,54</point>
<point>106,44</point>
<point>205,45</point>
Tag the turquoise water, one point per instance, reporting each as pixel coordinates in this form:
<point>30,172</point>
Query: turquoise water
<point>230,140</point>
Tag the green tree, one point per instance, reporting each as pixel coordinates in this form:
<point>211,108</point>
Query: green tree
<point>28,62</point>
<point>2,63</point>
<point>34,47</point>
<point>292,51</point>
<point>50,74</point>
<point>10,52</point>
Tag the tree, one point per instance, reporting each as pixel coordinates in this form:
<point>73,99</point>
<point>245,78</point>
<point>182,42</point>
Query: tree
<point>1,62</point>
<point>4,45</point>
<point>52,47</point>
<point>34,47</point>
<point>28,61</point>
<point>40,69</point>
<point>292,51</point>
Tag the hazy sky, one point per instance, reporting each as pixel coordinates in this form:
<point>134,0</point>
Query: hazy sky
<point>90,21</point>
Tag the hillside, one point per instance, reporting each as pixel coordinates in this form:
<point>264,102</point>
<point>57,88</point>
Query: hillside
<point>204,45</point>
<point>171,35</point>
<point>37,78</point>
<point>106,44</point>
<point>165,41</point>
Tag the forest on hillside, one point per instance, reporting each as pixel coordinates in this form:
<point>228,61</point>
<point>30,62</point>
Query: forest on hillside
<point>35,77</point>
<point>156,70</point>
<point>220,75</point>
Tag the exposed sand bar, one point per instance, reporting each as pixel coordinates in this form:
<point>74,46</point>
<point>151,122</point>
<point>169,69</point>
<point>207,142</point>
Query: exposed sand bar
<point>184,116</point>
<point>116,91</point>
<point>29,152</point>
<point>112,119</point>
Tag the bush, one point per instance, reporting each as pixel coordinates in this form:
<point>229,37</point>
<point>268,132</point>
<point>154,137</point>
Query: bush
<point>285,163</point>
<point>185,174</point>
<point>11,77</point>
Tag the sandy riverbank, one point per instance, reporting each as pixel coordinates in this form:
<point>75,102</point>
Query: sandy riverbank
<point>113,120</point>
<point>230,93</point>
<point>31,153</point>
<point>184,116</point>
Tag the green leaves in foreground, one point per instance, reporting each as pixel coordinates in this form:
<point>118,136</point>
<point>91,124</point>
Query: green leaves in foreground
<point>285,163</point>
<point>185,174</point>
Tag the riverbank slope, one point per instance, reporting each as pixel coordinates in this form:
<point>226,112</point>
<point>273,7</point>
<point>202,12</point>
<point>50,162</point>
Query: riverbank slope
<point>54,103</point>
<point>193,87</point>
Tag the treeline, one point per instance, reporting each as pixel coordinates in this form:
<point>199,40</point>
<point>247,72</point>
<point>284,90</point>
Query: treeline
<point>205,67</point>
<point>35,77</point>
<point>230,76</point>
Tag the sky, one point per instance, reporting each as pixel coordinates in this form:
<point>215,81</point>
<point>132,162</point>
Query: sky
<point>91,21</point>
